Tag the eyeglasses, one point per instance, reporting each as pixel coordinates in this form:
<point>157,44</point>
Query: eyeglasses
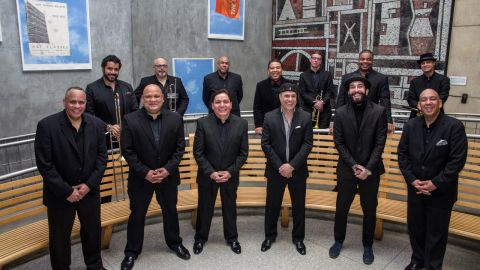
<point>316,58</point>
<point>160,66</point>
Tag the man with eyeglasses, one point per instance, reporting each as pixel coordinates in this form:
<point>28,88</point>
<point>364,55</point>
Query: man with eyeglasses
<point>176,98</point>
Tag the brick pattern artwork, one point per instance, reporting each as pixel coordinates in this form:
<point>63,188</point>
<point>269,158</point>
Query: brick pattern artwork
<point>397,31</point>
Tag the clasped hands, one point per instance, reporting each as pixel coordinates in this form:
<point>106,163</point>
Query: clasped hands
<point>220,176</point>
<point>157,176</point>
<point>79,191</point>
<point>424,187</point>
<point>286,170</point>
<point>361,172</point>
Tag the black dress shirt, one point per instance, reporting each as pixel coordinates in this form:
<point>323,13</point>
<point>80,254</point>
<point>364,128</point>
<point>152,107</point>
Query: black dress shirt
<point>100,101</point>
<point>232,83</point>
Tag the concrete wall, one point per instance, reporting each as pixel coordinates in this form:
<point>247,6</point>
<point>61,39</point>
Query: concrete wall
<point>136,31</point>
<point>179,29</point>
<point>26,97</point>
<point>464,56</point>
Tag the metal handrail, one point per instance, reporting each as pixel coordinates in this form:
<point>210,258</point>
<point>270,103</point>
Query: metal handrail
<point>251,132</point>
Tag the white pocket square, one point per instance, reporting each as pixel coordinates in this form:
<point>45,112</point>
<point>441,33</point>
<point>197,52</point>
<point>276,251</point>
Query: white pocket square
<point>441,143</point>
<point>297,127</point>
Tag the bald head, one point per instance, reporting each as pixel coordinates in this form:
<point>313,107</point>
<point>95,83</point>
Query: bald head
<point>152,99</point>
<point>223,64</point>
<point>160,67</point>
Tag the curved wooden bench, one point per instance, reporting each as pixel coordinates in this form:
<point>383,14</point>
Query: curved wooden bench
<point>23,223</point>
<point>24,227</point>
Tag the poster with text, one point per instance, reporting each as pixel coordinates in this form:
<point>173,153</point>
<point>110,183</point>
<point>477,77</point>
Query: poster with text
<point>226,19</point>
<point>54,35</point>
<point>192,71</point>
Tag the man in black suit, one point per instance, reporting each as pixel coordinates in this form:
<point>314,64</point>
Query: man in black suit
<point>379,91</point>
<point>287,139</point>
<point>153,143</point>
<point>359,135</point>
<point>101,93</point>
<point>172,87</point>
<point>317,89</point>
<point>71,155</point>
<point>429,79</point>
<point>220,149</point>
<point>222,78</point>
<point>431,153</point>
<point>266,93</point>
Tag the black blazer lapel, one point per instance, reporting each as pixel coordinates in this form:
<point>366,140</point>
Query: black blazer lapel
<point>351,118</point>
<point>366,116</point>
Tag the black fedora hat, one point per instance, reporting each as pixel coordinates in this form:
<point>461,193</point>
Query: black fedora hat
<point>357,78</point>
<point>426,56</point>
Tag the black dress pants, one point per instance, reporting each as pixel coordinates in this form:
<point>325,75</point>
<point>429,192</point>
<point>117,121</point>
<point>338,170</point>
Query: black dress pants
<point>140,198</point>
<point>346,190</point>
<point>428,221</point>
<point>61,217</point>
<point>275,191</point>
<point>206,206</point>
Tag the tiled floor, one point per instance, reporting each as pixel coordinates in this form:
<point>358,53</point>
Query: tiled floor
<point>393,252</point>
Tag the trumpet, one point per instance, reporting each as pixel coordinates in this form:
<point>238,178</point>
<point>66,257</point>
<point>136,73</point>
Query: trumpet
<point>117,159</point>
<point>172,96</point>
<point>316,112</point>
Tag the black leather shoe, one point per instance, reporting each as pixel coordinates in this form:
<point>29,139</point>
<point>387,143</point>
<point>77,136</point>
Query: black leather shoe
<point>235,247</point>
<point>182,252</point>
<point>300,246</point>
<point>127,263</point>
<point>414,266</point>
<point>266,244</point>
<point>197,247</point>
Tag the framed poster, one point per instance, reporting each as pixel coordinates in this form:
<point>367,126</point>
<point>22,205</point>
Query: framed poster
<point>54,35</point>
<point>226,19</point>
<point>192,71</point>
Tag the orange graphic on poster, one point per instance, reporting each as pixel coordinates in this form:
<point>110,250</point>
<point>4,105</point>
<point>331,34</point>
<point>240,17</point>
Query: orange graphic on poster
<point>228,8</point>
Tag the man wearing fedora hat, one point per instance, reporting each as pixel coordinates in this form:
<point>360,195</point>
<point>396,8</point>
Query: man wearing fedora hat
<point>359,135</point>
<point>429,79</point>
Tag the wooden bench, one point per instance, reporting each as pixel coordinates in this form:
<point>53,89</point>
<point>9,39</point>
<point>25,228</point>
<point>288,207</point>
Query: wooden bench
<point>24,228</point>
<point>23,223</point>
<point>392,204</point>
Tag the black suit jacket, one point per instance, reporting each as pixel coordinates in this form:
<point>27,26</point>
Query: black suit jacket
<point>234,85</point>
<point>362,144</point>
<point>265,100</point>
<point>100,100</point>
<point>309,92</point>
<point>274,143</point>
<point>58,159</point>
<point>440,160</point>
<point>211,155</point>
<point>141,152</point>
<point>378,93</point>
<point>182,97</point>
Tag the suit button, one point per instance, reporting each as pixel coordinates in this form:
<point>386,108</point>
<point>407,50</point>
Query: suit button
<point>423,167</point>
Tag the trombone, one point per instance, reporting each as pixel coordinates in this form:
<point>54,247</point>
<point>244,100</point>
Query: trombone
<point>172,96</point>
<point>119,158</point>
<point>316,112</point>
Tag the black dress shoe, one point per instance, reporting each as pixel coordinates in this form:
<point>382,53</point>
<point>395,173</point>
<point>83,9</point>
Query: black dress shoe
<point>197,247</point>
<point>127,263</point>
<point>266,244</point>
<point>235,247</point>
<point>182,252</point>
<point>300,246</point>
<point>414,266</point>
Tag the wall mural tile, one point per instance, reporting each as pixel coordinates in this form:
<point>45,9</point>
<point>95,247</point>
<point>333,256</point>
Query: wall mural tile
<point>397,31</point>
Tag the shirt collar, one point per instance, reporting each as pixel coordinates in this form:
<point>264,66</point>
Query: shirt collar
<point>149,117</point>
